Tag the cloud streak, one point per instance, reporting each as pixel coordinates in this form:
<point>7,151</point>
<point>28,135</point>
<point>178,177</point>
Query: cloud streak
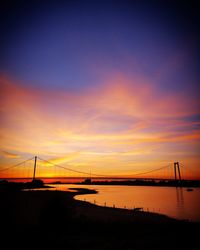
<point>9,155</point>
<point>120,122</point>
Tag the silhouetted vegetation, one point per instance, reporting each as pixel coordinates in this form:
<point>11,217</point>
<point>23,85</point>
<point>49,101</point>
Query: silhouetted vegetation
<point>37,183</point>
<point>87,181</point>
<point>143,182</point>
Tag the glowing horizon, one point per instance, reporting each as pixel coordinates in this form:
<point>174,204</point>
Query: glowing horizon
<point>109,131</point>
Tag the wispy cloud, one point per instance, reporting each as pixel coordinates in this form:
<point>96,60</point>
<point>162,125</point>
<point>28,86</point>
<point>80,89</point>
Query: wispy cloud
<point>9,155</point>
<point>122,120</point>
<point>65,159</point>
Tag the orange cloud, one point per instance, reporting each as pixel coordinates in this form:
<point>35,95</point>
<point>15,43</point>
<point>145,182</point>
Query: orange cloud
<point>9,155</point>
<point>116,125</point>
<point>61,160</point>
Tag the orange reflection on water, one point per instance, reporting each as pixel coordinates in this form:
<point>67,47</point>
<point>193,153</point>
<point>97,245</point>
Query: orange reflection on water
<point>174,202</point>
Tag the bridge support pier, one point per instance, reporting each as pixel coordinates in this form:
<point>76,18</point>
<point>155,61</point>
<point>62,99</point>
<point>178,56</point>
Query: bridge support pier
<point>177,172</point>
<point>34,171</point>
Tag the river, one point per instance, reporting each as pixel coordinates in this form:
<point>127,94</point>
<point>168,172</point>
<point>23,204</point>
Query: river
<point>175,202</point>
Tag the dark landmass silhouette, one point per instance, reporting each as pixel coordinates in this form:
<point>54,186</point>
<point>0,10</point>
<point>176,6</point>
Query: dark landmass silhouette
<point>142,182</point>
<point>43,219</point>
<point>34,184</point>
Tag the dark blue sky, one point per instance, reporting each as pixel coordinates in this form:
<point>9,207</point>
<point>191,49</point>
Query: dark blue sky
<point>77,44</point>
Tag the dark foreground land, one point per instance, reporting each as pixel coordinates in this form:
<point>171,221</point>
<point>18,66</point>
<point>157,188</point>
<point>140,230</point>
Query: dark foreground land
<point>53,219</point>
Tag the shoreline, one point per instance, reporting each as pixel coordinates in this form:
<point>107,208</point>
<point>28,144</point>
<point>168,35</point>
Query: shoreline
<point>55,219</point>
<point>41,199</point>
<point>38,185</point>
<point>136,213</point>
<point>119,214</point>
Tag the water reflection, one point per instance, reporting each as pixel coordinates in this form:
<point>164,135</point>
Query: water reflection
<point>174,202</point>
<point>180,198</point>
<point>180,202</point>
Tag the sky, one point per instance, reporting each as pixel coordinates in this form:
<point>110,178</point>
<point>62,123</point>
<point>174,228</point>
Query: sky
<point>110,86</point>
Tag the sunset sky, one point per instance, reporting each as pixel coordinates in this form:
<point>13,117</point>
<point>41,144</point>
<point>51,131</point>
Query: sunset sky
<point>110,87</point>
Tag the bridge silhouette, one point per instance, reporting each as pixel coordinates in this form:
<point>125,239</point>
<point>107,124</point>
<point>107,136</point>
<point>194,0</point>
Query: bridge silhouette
<point>37,167</point>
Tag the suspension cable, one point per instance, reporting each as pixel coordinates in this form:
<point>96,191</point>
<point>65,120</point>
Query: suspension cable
<point>14,166</point>
<point>69,169</point>
<point>81,172</point>
<point>150,171</point>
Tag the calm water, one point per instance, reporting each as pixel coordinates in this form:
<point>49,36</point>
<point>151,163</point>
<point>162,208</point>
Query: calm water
<point>171,201</point>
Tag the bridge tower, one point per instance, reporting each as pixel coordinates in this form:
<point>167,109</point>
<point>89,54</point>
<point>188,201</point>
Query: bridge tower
<point>177,172</point>
<point>34,171</point>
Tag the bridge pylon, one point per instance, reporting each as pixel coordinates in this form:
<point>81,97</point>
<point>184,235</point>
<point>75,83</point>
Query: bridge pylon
<point>34,171</point>
<point>177,172</point>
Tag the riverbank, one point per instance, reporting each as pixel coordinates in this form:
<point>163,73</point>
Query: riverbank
<point>55,218</point>
<point>143,182</point>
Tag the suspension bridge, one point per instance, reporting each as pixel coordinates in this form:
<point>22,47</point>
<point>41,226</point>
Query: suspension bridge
<point>37,167</point>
